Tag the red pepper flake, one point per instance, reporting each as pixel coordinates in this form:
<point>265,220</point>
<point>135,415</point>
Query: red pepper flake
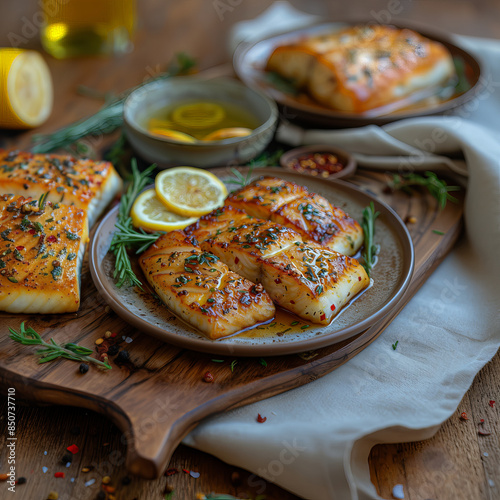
<point>51,238</point>
<point>464,416</point>
<point>185,471</point>
<point>73,449</point>
<point>332,307</point>
<point>359,278</point>
<point>113,335</point>
<point>19,248</point>
<point>32,231</point>
<point>292,302</point>
<point>492,403</point>
<point>260,418</point>
<point>236,260</point>
<point>208,377</point>
<point>322,317</point>
<point>277,281</point>
<point>59,474</point>
<point>481,421</point>
<point>171,472</point>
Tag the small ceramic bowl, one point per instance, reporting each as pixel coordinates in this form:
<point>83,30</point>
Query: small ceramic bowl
<point>291,161</point>
<point>144,101</point>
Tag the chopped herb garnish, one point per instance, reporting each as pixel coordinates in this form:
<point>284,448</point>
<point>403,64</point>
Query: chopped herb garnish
<point>71,256</point>
<point>395,344</point>
<point>12,279</point>
<point>435,231</point>
<point>72,236</point>
<point>368,225</point>
<point>234,362</point>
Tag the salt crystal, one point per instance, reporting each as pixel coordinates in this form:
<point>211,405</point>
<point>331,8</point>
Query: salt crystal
<point>194,474</point>
<point>45,453</point>
<point>68,464</point>
<point>90,482</point>
<point>128,340</point>
<point>45,469</point>
<point>491,483</point>
<point>485,454</point>
<point>397,491</point>
<point>274,413</point>
<point>72,479</point>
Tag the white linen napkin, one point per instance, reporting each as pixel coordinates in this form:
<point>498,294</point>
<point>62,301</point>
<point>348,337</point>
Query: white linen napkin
<point>317,438</point>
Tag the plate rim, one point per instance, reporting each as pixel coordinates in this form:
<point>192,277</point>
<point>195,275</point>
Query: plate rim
<point>266,349</point>
<point>332,117</point>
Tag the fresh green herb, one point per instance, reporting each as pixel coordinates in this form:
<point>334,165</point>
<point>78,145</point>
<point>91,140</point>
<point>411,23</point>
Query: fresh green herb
<point>12,279</point>
<point>395,344</point>
<point>241,180</point>
<point>126,236</point>
<point>72,236</point>
<point>436,187</point>
<point>368,225</point>
<point>107,119</point>
<point>71,256</point>
<point>303,327</point>
<point>293,323</point>
<point>234,362</point>
<point>435,231</point>
<point>51,350</point>
<point>263,362</point>
<point>267,160</point>
<point>217,360</point>
<point>169,495</point>
<point>282,84</point>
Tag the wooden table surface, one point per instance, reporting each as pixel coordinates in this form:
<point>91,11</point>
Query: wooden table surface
<point>455,464</point>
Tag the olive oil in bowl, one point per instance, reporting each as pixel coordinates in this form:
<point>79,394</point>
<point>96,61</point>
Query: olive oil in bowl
<point>195,120</point>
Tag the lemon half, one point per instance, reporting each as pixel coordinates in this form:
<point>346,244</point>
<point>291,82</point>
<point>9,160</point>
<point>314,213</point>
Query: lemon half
<point>26,92</point>
<point>151,214</point>
<point>189,191</point>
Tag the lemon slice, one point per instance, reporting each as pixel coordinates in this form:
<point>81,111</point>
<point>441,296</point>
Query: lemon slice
<point>175,135</point>
<point>227,133</point>
<point>198,115</point>
<point>151,214</point>
<point>26,93</point>
<point>189,191</point>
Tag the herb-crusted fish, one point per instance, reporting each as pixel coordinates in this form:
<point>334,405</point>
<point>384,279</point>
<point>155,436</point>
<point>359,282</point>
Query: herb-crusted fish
<point>293,206</point>
<point>201,289</point>
<point>85,183</point>
<point>304,278</point>
<point>41,252</point>
<point>362,68</point>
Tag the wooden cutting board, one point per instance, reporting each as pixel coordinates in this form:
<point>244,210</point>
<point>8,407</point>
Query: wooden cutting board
<point>160,395</point>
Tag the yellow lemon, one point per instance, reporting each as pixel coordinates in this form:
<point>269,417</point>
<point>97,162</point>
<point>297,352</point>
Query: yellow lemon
<point>175,135</point>
<point>151,214</point>
<point>198,115</point>
<point>26,92</point>
<point>227,133</point>
<point>189,191</point>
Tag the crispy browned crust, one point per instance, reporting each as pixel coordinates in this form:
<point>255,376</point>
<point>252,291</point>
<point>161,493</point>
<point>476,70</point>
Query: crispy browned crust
<point>40,253</point>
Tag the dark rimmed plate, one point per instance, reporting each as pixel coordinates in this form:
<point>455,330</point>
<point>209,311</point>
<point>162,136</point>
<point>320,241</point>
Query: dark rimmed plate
<point>250,59</point>
<point>391,276</point>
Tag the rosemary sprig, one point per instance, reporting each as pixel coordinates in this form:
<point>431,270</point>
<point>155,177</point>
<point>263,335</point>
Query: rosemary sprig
<point>240,179</point>
<point>436,186</point>
<point>126,235</point>
<point>107,119</point>
<point>368,225</point>
<point>51,351</point>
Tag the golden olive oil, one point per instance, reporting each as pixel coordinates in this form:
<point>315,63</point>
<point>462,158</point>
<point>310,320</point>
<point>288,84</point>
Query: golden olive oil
<point>199,119</point>
<point>87,27</point>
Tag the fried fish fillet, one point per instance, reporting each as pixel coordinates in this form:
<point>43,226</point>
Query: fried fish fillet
<point>304,278</point>
<point>293,206</point>
<point>41,255</point>
<point>201,289</point>
<point>363,67</point>
<point>85,183</point>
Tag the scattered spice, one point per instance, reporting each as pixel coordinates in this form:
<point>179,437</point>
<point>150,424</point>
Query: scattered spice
<point>53,495</point>
<point>171,472</point>
<point>194,474</point>
<point>90,482</point>
<point>84,368</point>
<point>463,416</point>
<point>106,480</point>
<point>260,418</point>
<point>410,219</point>
<point>99,341</point>
<point>59,474</point>
<point>4,477</point>
<point>107,334</point>
<point>123,357</point>
<point>208,377</point>
<point>492,403</point>
<point>73,449</point>
<point>21,480</point>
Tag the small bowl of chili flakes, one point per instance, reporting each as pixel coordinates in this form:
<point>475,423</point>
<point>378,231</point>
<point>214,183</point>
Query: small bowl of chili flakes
<point>319,160</point>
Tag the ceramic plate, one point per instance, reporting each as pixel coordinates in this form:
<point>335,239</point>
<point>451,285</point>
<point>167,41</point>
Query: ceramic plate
<point>250,60</point>
<point>287,334</point>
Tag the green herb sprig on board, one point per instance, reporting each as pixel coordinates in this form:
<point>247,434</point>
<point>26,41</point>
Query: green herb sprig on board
<point>368,225</point>
<point>127,237</point>
<point>51,350</point>
<point>107,119</point>
<point>437,187</point>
